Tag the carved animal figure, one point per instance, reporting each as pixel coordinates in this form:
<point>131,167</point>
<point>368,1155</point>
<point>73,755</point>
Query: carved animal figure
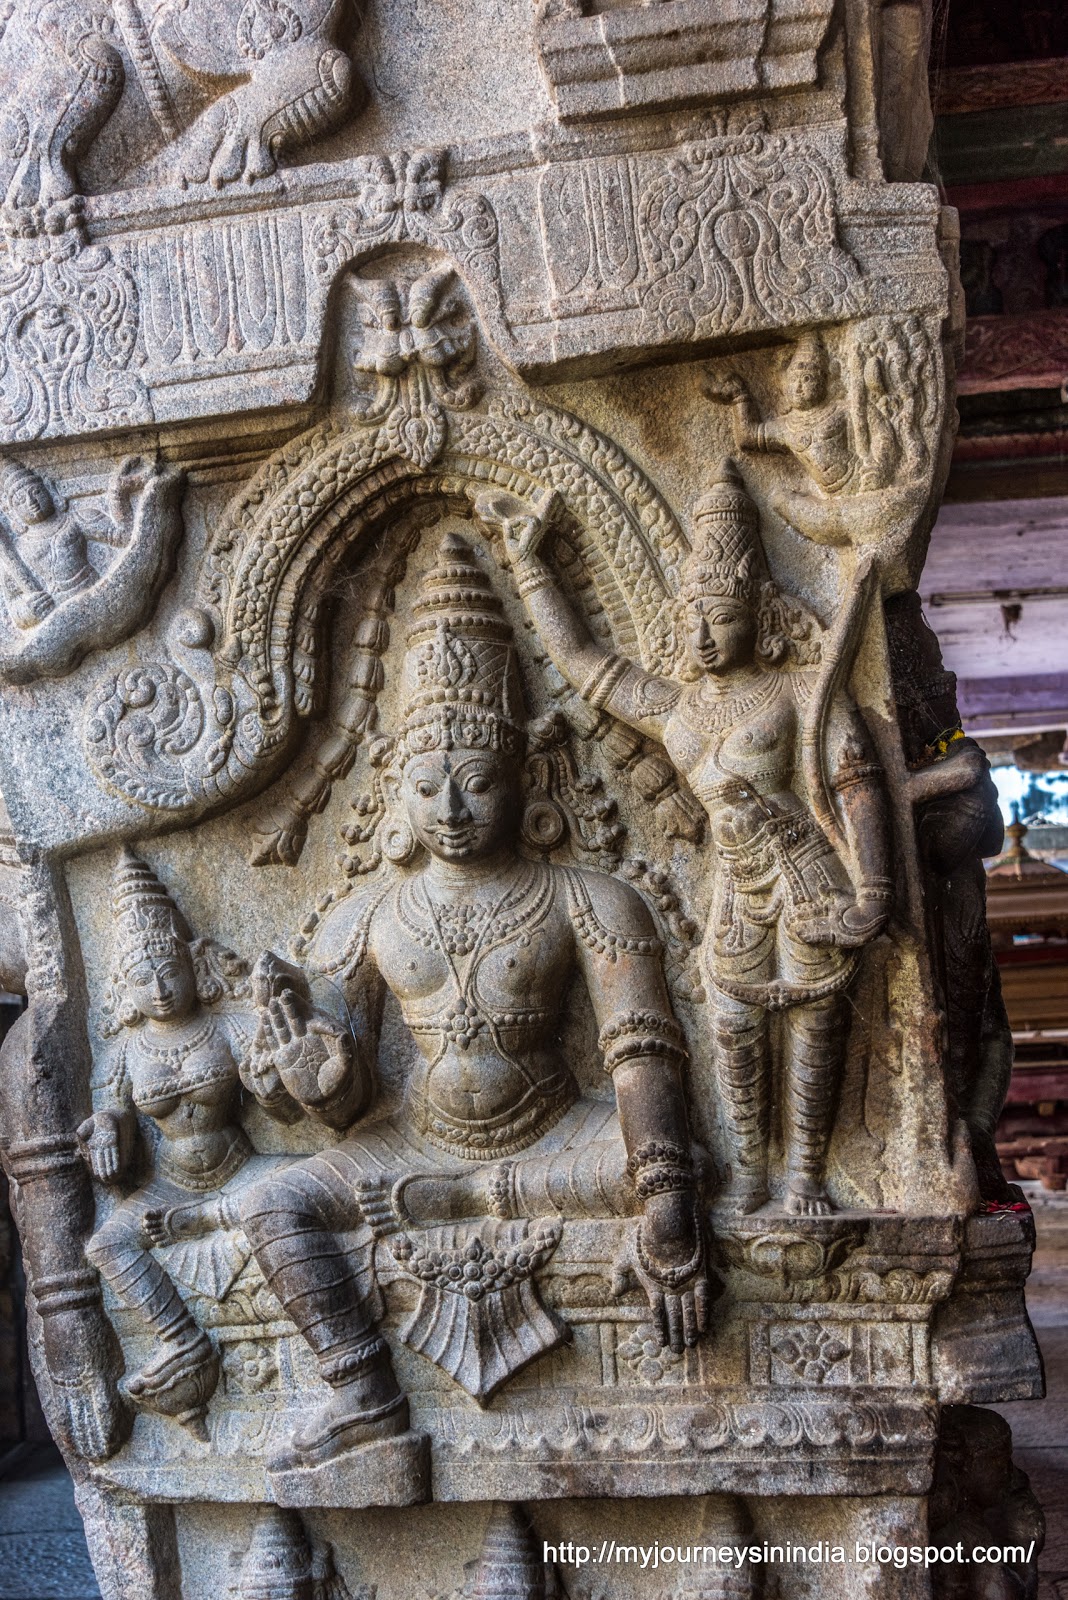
<point>285,80</point>
<point>63,75</point>
<point>791,907</point>
<point>182,1066</point>
<point>478,945</point>
<point>231,87</point>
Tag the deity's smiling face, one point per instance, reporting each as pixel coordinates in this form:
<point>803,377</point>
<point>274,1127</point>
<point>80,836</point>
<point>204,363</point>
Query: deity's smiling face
<point>721,633</point>
<point>462,804</point>
<point>162,984</point>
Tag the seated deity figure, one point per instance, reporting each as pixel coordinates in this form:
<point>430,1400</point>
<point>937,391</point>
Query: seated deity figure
<point>789,911</point>
<point>44,555</point>
<point>478,942</point>
<point>181,1065</point>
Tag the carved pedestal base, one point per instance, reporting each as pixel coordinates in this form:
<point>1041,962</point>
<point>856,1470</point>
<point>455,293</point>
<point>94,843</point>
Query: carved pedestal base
<point>389,1472</point>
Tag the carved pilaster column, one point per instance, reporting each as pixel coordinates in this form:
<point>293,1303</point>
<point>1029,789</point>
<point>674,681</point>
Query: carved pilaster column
<point>505,1099</point>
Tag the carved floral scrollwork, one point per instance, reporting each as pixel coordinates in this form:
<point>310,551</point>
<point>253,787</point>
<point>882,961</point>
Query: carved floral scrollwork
<point>810,1351</point>
<point>144,718</point>
<point>741,230</point>
<point>69,334</point>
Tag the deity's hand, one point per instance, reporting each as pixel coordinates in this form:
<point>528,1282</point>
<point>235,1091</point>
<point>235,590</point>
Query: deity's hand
<point>311,1055</point>
<point>963,766</point>
<point>726,387</point>
<point>669,1261</point>
<point>98,1137</point>
<point>30,608</point>
<point>863,920</point>
<point>261,1075</point>
<point>848,922</point>
<point>129,480</point>
<point>522,527</point>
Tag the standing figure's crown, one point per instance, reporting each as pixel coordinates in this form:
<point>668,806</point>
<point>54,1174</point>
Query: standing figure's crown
<point>461,672</point>
<point>726,559</point>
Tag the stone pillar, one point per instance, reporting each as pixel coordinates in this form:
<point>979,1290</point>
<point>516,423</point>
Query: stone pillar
<point>505,1103</point>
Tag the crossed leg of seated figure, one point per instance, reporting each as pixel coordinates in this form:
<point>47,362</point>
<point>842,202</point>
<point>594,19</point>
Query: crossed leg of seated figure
<point>293,1221</point>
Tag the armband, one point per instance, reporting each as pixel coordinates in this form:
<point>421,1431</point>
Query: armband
<point>531,575</point>
<point>657,1167</point>
<point>640,1033</point>
<point>604,680</point>
<point>855,767</point>
<point>881,889</point>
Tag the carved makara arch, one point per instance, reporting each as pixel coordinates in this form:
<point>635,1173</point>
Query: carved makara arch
<point>188,741</point>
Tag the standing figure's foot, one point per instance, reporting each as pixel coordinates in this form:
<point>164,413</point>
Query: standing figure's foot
<point>345,1422</point>
<point>744,1192</point>
<point>806,1197</point>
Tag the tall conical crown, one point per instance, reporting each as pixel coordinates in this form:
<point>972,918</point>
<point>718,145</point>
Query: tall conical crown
<point>146,918</point>
<point>461,673</point>
<point>726,558</point>
<point>510,1566</point>
<point>278,1563</point>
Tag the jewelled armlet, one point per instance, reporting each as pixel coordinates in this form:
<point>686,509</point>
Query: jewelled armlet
<point>603,681</point>
<point>857,772</point>
<point>657,1167</point>
<point>531,575</point>
<point>876,889</point>
<point>637,1034</point>
<point>229,1212</point>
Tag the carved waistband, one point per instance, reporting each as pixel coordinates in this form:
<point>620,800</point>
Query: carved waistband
<point>238,1153</point>
<point>778,993</point>
<point>493,1140</point>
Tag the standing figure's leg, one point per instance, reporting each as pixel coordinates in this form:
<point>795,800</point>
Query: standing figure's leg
<point>181,1378</point>
<point>816,1035</point>
<point>739,1036</point>
<point>292,1219</point>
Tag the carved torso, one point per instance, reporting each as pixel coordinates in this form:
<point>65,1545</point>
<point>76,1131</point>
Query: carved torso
<point>820,438</point>
<point>186,1081</point>
<point>738,751</point>
<point>481,972</point>
<point>57,554</point>
<point>479,975</point>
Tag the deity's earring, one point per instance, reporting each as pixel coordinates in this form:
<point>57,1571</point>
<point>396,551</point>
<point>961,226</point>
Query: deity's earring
<point>543,825</point>
<point>399,843</point>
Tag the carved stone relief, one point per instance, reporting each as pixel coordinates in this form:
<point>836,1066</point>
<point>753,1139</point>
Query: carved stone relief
<point>492,864</point>
<point>223,92</point>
